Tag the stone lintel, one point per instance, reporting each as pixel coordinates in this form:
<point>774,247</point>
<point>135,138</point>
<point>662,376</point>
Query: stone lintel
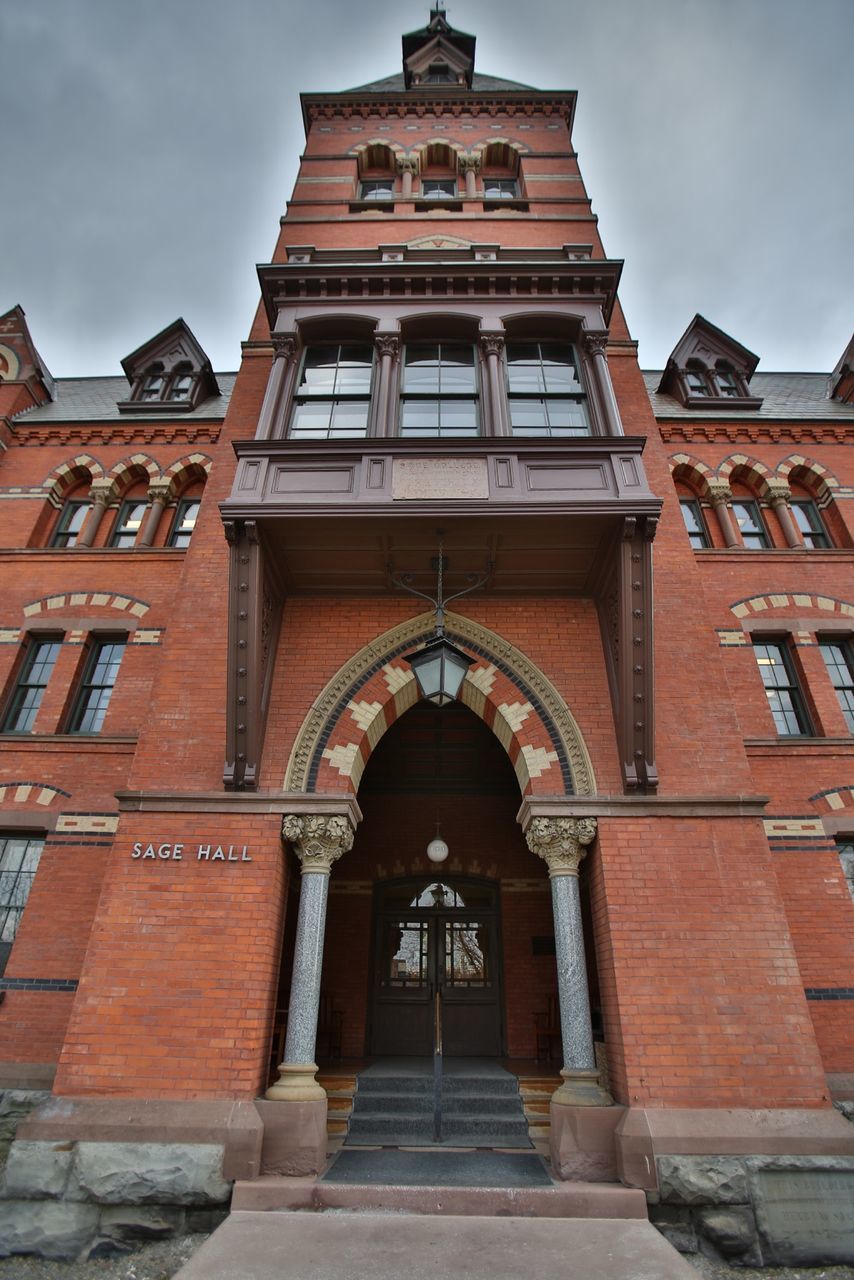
<point>235,1124</point>
<point>241,802</point>
<point>639,806</point>
<point>647,1132</point>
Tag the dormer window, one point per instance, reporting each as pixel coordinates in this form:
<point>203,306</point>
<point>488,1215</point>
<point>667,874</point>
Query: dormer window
<point>439,73</point>
<point>708,370</point>
<point>695,380</point>
<point>727,383</point>
<point>168,374</point>
<point>152,387</point>
<point>181,385</point>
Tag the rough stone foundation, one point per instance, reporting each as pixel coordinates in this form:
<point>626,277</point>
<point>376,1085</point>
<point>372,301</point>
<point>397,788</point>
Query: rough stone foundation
<point>757,1210</point>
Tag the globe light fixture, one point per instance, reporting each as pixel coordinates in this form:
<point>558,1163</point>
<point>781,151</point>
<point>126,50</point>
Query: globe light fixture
<point>437,850</point>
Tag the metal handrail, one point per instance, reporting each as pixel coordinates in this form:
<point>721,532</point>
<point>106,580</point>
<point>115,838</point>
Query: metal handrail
<point>437,1065</point>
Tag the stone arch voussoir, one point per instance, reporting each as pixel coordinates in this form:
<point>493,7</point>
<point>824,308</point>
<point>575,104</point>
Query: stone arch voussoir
<point>738,466</point>
<point>692,471</point>
<point>811,474</point>
<point>503,687</point>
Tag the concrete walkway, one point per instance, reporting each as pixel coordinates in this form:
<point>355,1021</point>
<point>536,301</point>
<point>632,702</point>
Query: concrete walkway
<point>394,1246</point>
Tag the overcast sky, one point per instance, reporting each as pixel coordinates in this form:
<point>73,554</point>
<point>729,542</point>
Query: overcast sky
<point>148,148</point>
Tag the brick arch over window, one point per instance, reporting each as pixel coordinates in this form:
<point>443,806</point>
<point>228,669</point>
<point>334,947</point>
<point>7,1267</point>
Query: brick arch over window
<point>68,474</point>
<point>836,800</point>
<point>750,606</point>
<point>440,152</point>
<point>193,466</point>
<point>749,470</point>
<point>691,471</point>
<point>377,153</point>
<point>134,467</point>
<point>796,469</point>
<point>509,693</point>
<point>29,792</point>
<point>500,152</point>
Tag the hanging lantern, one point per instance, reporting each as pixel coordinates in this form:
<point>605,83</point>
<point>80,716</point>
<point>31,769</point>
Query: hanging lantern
<point>440,668</point>
<point>437,850</point>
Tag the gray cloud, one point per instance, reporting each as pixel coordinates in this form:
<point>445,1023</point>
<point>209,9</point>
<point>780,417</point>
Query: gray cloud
<point>149,149</point>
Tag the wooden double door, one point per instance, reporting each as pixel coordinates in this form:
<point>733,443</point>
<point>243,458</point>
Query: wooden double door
<point>437,935</point>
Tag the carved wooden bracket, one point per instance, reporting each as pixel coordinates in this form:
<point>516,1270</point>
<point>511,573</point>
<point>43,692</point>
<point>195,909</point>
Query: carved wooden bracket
<point>254,610</point>
<point>626,618</point>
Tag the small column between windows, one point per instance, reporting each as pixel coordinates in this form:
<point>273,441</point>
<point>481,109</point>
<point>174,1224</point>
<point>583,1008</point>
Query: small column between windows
<point>492,346</point>
<point>595,345</point>
<point>780,497</point>
<point>383,416</point>
<point>158,496</point>
<point>469,168</point>
<point>271,418</point>
<point>407,167</point>
<point>99,495</point>
<point>721,497</point>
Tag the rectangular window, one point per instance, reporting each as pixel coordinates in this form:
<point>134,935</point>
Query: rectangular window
<point>383,190</point>
<point>781,686</point>
<point>839,660</point>
<point>334,395</point>
<point>750,524</point>
<point>500,189</point>
<point>102,669</point>
<point>32,682</point>
<point>439,189</point>
<point>845,849</point>
<point>70,523</point>
<point>727,385</point>
<point>544,391</point>
<point>809,522</point>
<point>439,390</point>
<point>19,859</point>
<point>185,522</point>
<point>181,386</point>
<point>128,523</point>
<point>694,523</point>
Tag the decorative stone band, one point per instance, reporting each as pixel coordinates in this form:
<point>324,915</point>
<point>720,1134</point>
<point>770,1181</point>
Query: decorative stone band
<point>561,842</point>
<point>318,839</point>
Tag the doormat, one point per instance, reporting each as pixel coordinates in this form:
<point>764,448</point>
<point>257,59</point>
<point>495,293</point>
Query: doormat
<point>438,1169</point>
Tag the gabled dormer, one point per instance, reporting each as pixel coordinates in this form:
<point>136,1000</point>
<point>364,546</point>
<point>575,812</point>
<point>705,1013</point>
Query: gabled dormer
<point>707,369</point>
<point>438,55</point>
<point>24,376</point>
<point>842,378</point>
<point>168,374</point>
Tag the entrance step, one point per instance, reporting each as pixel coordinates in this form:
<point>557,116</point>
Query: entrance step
<point>479,1108</point>
<point>536,1092</point>
<point>386,1246</point>
<point>340,1087</point>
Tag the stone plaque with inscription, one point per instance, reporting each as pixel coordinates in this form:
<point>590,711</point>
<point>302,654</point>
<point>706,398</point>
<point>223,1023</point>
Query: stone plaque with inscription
<point>805,1216</point>
<point>428,478</point>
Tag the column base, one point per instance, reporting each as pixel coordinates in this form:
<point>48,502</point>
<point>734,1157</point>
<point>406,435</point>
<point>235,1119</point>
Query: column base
<point>296,1083</point>
<point>581,1089</point>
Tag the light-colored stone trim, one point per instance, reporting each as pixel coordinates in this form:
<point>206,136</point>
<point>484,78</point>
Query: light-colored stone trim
<point>78,599</point>
<point>793,600</point>
<point>40,793</point>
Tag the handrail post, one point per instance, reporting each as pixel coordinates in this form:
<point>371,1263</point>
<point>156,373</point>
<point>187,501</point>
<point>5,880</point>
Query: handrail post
<point>437,1066</point>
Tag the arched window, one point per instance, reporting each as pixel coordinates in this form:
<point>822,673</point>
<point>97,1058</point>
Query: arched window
<point>72,517</point>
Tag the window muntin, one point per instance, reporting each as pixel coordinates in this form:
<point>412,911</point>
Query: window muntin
<point>38,664</point>
<point>727,383</point>
<point>784,695</point>
<point>696,382</point>
<point>334,394</point>
<point>440,390</point>
<point>380,190</point>
<point>500,189</point>
<point>810,523</point>
<point>70,523</point>
<point>181,386</point>
<point>439,188</point>
<point>694,523</point>
<point>749,521</point>
<point>153,385</point>
<point>96,689</point>
<point>544,391</point>
<point>839,660</point>
<point>439,73</point>
<point>185,522</point>
<point>128,522</point>
<point>19,860</point>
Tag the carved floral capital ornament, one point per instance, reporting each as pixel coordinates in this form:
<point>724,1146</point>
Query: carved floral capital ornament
<point>561,842</point>
<point>318,840</point>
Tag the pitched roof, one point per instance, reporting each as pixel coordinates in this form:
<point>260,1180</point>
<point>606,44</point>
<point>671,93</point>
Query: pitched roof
<point>96,399</point>
<point>479,84</point>
<point>788,396</point>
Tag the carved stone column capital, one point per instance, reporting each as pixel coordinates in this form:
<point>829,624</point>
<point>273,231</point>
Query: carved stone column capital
<point>284,346</point>
<point>469,160</point>
<point>561,842</point>
<point>407,164</point>
<point>779,494</point>
<point>101,492</point>
<point>492,344</point>
<point>318,839</point>
<point>719,492</point>
<point>160,491</point>
<point>387,344</point>
<point>595,342</point>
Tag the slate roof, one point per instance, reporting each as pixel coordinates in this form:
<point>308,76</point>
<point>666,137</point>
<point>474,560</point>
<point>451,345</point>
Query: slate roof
<point>800,396</point>
<point>95,400</point>
<point>479,84</point>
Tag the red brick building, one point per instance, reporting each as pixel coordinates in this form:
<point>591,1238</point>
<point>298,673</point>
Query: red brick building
<point>207,620</point>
